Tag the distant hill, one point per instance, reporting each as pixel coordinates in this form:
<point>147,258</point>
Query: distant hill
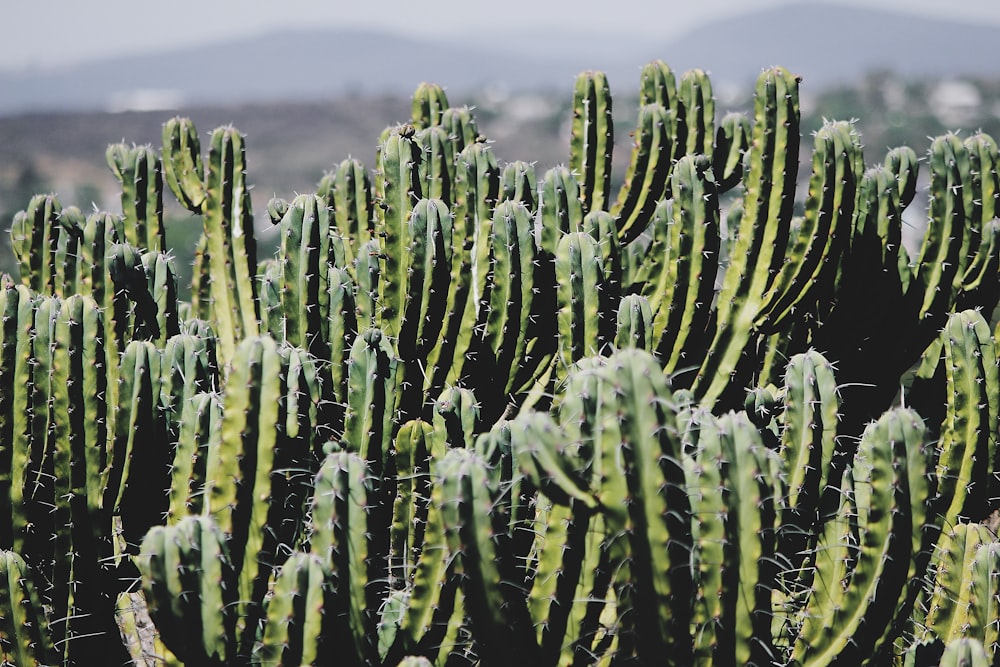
<point>830,44</point>
<point>825,43</point>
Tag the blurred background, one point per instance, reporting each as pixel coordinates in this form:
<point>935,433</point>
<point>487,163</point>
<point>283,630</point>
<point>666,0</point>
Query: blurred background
<point>311,82</point>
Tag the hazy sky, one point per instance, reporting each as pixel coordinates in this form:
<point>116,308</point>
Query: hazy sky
<point>44,33</point>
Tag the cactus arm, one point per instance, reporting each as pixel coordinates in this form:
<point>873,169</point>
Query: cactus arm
<point>583,318</point>
<point>592,139</point>
<point>23,624</point>
<point>846,618</point>
<point>696,109</point>
<point>140,173</point>
<point>940,256</point>
<point>732,138</point>
<point>429,103</point>
<point>763,229</point>
<point>183,169</point>
<point>399,162</point>
<point>647,173</point>
<point>340,537</point>
<point>681,319</point>
<point>825,230</point>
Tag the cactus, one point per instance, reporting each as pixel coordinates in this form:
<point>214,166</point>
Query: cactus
<point>140,172</point>
<point>190,586</point>
<point>493,418</point>
<point>218,192</point>
<point>24,632</point>
<point>592,139</point>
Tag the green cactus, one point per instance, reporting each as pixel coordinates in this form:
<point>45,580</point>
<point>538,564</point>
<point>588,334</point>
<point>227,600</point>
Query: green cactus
<point>592,140</point>
<point>140,172</point>
<point>190,586</point>
<point>24,638</point>
<point>219,192</point>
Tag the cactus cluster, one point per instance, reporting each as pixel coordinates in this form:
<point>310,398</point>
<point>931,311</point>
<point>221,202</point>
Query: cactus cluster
<point>469,414</point>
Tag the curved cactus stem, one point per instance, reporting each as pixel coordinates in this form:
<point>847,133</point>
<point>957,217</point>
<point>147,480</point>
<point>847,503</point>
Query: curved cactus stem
<point>648,171</point>
<point>765,218</point>
<point>23,623</point>
<point>429,103</point>
<point>592,139</point>
<point>190,587</point>
<point>299,616</point>
<point>140,172</point>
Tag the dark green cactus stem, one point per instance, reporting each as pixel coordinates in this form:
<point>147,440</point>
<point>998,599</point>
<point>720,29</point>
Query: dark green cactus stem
<point>982,205</point>
<point>413,447</point>
<point>592,139</point>
<point>429,250</point>
<point>368,274</point>
<point>967,442</point>
<point>456,419</point>
<point>429,103</point>
<point>18,326</point>
<point>562,208</point>
<point>437,164</point>
<point>696,106</point>
<point>190,587</point>
<point>477,185</point>
<point>814,254</point>
<point>687,284</point>
<point>461,127</point>
<point>808,442</point>
<point>399,162</point>
<point>763,231</point>
<point>141,453</point>
<point>199,430</point>
<point>256,479</point>
<point>735,520</point>
<point>305,258</point>
<point>24,636</point>
<point>962,601</point>
<point>183,169</point>
<point>519,183</point>
<point>348,191</point>
<point>300,616</point>
<point>858,585</point>
<point>732,139</point>
<point>347,543</point>
<point>465,493</point>
<point>342,327</point>
<point>964,653</point>
<point>373,377</point>
<point>74,447</point>
<point>93,278</point>
<point>635,323</point>
<point>140,172</point>
<point>511,290</point>
<point>222,195</point>
<point>433,603</point>
<point>584,316</point>
<point>644,501</point>
<point>941,258</point>
<point>162,288</point>
<point>34,238</point>
<point>648,171</point>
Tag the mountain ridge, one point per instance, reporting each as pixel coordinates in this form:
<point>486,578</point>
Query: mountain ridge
<point>299,65</point>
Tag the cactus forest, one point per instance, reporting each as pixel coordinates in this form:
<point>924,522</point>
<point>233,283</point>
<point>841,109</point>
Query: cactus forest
<point>471,414</point>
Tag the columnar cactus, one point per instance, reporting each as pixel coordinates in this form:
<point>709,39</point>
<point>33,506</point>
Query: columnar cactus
<point>468,416</point>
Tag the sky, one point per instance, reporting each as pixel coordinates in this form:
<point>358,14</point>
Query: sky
<point>52,33</point>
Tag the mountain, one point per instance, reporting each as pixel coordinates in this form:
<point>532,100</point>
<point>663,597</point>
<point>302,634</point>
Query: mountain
<point>823,42</point>
<point>830,44</point>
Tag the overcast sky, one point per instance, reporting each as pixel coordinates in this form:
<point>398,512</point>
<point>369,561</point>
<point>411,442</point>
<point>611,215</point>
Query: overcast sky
<point>45,33</point>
